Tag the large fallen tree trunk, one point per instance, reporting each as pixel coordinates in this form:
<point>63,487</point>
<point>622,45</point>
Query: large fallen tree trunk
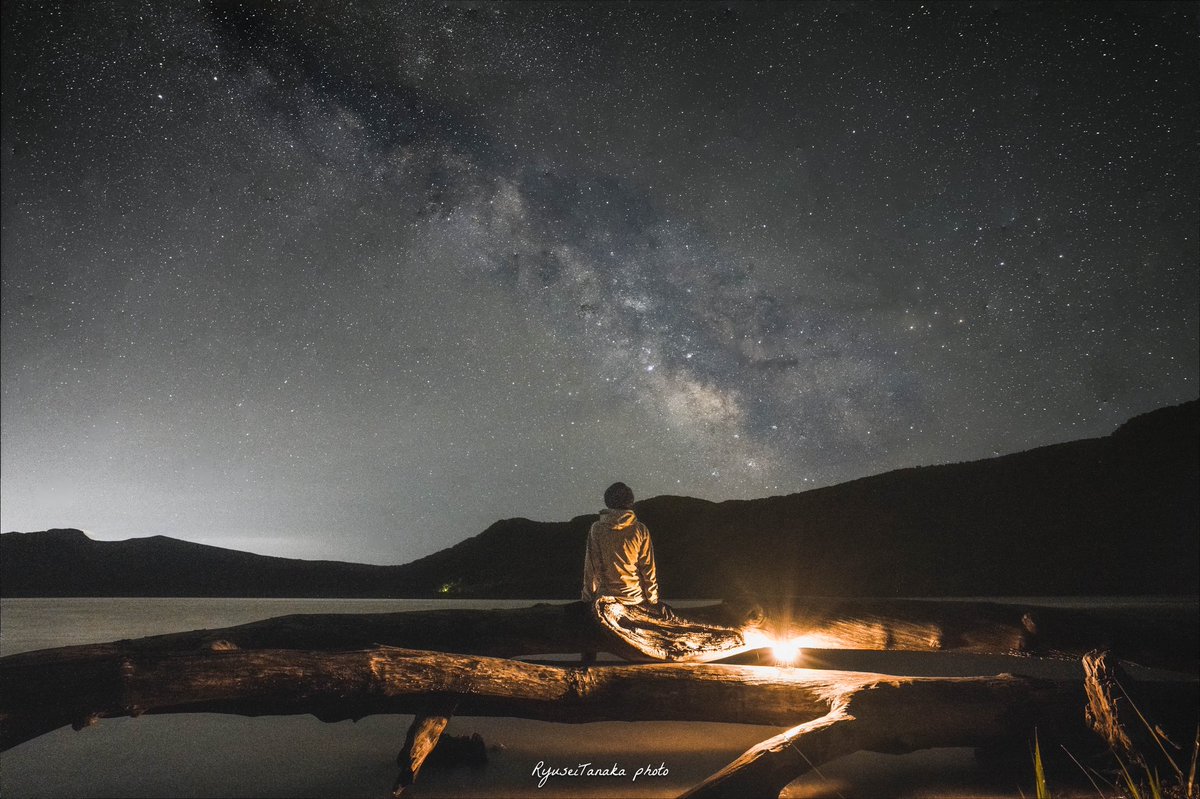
<point>1164,636</point>
<point>45,690</point>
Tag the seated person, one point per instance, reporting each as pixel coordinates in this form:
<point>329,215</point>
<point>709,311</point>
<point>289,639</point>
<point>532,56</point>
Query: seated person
<point>620,558</point>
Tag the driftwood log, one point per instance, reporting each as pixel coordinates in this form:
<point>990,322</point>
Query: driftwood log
<point>427,727</point>
<point>348,666</point>
<point>1163,636</point>
<point>902,715</point>
<point>843,711</point>
<point>1166,636</point>
<point>46,690</point>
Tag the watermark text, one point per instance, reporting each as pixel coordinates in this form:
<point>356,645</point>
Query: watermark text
<point>542,772</point>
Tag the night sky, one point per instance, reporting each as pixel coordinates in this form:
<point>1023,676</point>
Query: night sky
<point>353,282</point>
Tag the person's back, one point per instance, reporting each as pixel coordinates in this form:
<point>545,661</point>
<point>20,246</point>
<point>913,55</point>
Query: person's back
<point>620,559</point>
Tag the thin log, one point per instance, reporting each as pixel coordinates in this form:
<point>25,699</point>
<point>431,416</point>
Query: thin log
<point>1166,636</point>
<point>422,737</point>
<point>772,764</point>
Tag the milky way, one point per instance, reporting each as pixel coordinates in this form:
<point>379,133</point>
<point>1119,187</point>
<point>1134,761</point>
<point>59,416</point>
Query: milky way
<point>353,284</point>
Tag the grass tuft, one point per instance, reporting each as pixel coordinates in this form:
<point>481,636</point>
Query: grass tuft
<point>1140,780</point>
<point>1039,771</point>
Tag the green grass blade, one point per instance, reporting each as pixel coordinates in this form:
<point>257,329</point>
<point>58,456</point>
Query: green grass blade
<point>1039,772</point>
<point>1155,784</point>
<point>1191,780</point>
<point>1075,760</point>
<point>1130,785</point>
<point>1154,733</point>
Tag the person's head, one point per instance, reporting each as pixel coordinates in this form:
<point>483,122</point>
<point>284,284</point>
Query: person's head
<point>618,496</point>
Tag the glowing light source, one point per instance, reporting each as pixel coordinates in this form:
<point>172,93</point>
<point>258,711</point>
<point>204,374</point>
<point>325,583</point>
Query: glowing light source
<point>786,650</point>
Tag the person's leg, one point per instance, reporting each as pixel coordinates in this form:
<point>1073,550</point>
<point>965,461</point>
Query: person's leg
<point>581,613</point>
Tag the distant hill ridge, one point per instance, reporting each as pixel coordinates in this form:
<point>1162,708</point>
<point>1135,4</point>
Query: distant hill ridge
<point>1118,515</point>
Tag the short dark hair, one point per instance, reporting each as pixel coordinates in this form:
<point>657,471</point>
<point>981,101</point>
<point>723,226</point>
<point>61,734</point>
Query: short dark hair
<point>618,496</point>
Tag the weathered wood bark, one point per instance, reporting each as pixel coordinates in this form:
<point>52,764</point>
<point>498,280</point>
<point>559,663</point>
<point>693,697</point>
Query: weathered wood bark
<point>422,737</point>
<point>1165,636</point>
<point>42,691</point>
<point>901,715</point>
<point>856,711</point>
<point>841,711</point>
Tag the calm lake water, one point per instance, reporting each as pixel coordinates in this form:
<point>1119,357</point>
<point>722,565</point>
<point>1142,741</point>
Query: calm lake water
<point>213,755</point>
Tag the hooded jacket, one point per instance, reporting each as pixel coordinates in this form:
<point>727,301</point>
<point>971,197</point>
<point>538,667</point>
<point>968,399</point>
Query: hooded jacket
<point>620,560</point>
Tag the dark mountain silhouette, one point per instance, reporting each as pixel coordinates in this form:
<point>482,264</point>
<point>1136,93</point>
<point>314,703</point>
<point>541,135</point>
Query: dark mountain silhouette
<point>1118,515</point>
<point>68,563</point>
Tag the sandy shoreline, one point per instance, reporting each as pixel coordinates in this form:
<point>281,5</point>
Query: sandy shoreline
<point>206,755</point>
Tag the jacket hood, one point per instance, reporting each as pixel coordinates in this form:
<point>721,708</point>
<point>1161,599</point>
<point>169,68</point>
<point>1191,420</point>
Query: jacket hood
<point>617,518</point>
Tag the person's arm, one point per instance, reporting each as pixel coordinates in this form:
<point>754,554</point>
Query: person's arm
<point>646,568</point>
<point>589,580</point>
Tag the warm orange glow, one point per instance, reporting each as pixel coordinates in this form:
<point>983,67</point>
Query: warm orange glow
<point>786,650</point>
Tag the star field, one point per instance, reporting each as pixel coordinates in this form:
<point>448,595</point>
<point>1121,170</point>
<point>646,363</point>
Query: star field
<point>353,282</point>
